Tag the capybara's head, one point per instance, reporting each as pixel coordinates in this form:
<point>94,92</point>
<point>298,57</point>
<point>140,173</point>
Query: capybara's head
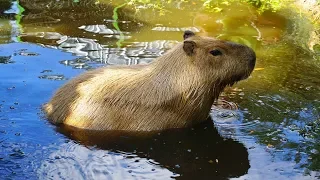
<point>226,62</point>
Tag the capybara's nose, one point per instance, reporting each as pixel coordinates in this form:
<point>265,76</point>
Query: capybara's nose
<point>251,57</point>
<point>247,54</point>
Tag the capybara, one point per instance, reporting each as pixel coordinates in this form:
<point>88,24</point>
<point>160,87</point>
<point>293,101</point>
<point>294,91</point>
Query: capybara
<point>176,90</point>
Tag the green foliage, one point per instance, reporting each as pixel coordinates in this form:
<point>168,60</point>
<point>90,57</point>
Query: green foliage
<point>262,5</point>
<point>154,4</point>
<point>211,5</point>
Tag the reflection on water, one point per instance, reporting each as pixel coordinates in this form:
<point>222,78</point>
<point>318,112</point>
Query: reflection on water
<point>5,59</point>
<point>136,53</point>
<point>267,126</point>
<point>90,163</point>
<point>178,151</point>
<point>47,21</point>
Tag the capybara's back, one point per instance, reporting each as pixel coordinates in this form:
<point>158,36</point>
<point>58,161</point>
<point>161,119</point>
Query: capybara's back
<point>176,90</point>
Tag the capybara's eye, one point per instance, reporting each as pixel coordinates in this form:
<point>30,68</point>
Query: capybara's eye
<point>216,52</point>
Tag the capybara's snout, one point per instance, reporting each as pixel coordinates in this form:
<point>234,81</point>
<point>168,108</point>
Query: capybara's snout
<point>251,57</point>
<point>245,54</point>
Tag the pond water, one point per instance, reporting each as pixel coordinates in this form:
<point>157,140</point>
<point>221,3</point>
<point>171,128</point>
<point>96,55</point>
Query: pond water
<point>268,130</point>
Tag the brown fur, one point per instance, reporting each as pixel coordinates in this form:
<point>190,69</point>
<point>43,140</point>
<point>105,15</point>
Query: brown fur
<point>174,91</point>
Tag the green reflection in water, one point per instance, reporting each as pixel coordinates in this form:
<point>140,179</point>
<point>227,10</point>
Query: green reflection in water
<point>116,26</point>
<point>18,20</point>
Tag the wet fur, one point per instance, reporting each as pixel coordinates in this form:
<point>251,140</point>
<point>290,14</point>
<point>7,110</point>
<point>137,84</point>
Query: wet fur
<point>174,91</point>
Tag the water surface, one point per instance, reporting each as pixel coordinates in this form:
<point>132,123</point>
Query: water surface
<point>270,130</point>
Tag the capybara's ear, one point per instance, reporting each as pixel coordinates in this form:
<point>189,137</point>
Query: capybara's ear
<point>188,47</point>
<point>188,34</point>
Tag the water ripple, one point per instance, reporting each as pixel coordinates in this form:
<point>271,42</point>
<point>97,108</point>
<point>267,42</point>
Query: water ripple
<point>101,29</point>
<point>160,28</point>
<point>74,161</point>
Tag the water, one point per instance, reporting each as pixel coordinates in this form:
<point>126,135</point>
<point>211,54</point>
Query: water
<point>267,127</point>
